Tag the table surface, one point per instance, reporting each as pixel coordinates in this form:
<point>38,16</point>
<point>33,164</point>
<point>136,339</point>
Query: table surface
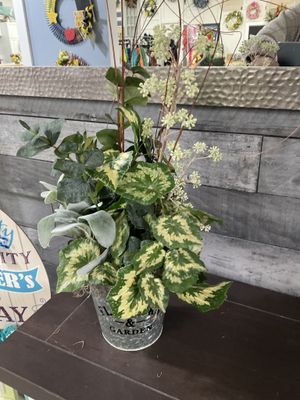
<point>247,350</point>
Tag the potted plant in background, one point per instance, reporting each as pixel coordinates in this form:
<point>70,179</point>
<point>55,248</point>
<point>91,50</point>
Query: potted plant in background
<point>135,238</point>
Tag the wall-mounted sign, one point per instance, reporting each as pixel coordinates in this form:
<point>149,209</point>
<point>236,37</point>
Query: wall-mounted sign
<point>24,284</point>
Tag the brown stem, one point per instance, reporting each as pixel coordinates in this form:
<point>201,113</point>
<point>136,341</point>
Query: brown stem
<point>121,127</point>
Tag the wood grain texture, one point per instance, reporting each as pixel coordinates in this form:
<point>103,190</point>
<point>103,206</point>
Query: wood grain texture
<point>251,87</point>
<point>273,220</point>
<point>257,264</point>
<point>238,168</point>
<point>280,167</point>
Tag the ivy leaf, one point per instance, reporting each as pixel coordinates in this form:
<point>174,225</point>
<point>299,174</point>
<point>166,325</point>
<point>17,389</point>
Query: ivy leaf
<point>103,227</point>
<point>69,145</point>
<point>93,158</point>
<point>181,270</point>
<point>204,297</point>
<point>175,231</point>
<point>108,138</point>
<point>72,190</point>
<point>150,256</point>
<point>104,274</point>
<point>145,183</point>
<point>125,298</point>
<point>122,235</point>
<point>74,256</point>
<point>153,291</point>
<point>69,168</point>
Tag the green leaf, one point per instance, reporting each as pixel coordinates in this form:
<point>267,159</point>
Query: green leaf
<point>69,145</point>
<point>108,138</point>
<point>202,216</point>
<point>114,75</point>
<point>175,231</point>
<point>204,297</point>
<point>149,257</point>
<point>93,158</point>
<point>145,183</point>
<point>29,132</point>
<point>125,298</point>
<point>72,190</point>
<point>74,230</point>
<point>69,168</point>
<point>103,227</point>
<point>122,235</point>
<point>110,155</point>
<point>134,97</point>
<point>112,173</point>
<point>136,213</point>
<point>153,291</point>
<point>35,146</point>
<point>25,125</point>
<point>141,71</point>
<point>181,270</point>
<point>133,246</point>
<point>133,81</point>
<point>52,130</point>
<point>74,256</point>
<point>104,274</point>
<point>44,229</point>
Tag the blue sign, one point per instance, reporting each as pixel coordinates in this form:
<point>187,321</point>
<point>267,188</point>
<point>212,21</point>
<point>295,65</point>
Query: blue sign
<point>6,236</point>
<point>19,282</point>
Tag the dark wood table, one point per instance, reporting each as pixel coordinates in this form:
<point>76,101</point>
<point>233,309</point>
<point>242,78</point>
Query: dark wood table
<point>247,350</point>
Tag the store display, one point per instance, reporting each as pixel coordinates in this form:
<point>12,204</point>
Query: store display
<point>253,10</point>
<point>84,20</point>
<point>234,20</point>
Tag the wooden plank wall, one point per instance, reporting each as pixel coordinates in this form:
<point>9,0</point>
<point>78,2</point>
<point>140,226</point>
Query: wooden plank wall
<point>255,189</point>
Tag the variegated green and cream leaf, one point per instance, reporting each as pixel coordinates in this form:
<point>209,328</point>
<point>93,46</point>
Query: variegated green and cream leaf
<point>154,291</point>
<point>122,235</point>
<point>175,231</point>
<point>111,174</point>
<point>125,298</point>
<point>181,270</point>
<point>74,256</point>
<point>105,274</point>
<point>149,257</point>
<point>145,183</point>
<point>204,297</point>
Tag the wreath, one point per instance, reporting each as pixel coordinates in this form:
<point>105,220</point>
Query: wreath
<point>84,20</point>
<point>150,8</point>
<point>66,59</point>
<point>201,3</point>
<point>234,20</point>
<point>253,10</point>
<point>274,13</point>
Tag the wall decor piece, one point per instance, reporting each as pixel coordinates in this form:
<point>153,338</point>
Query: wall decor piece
<point>201,3</point>
<point>253,10</point>
<point>131,3</point>
<point>150,8</point>
<point>84,19</point>
<point>66,59</point>
<point>24,285</point>
<point>275,12</point>
<point>234,20</point>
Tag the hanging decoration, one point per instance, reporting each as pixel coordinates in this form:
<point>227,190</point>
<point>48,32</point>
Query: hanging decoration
<point>84,20</point>
<point>234,20</point>
<point>131,3</point>
<point>253,10</point>
<point>66,59</point>
<point>150,8</point>
<point>275,12</point>
<point>201,3</point>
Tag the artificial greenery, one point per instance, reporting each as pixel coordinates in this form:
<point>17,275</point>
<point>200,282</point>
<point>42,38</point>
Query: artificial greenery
<point>124,205</point>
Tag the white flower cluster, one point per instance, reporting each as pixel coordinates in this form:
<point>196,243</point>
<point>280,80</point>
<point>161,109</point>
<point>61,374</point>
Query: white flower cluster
<point>147,128</point>
<point>165,88</point>
<point>214,153</point>
<point>182,116</point>
<point>189,81</point>
<point>162,36</point>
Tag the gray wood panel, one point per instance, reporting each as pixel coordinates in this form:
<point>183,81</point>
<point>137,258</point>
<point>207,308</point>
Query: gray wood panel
<point>256,217</point>
<point>22,175</point>
<point>26,211</point>
<point>248,87</point>
<point>258,264</point>
<point>238,168</point>
<point>280,167</point>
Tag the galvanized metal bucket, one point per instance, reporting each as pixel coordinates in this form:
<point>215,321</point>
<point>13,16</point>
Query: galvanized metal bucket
<point>128,335</point>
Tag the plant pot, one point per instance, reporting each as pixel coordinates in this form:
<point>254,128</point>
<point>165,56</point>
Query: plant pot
<point>128,335</point>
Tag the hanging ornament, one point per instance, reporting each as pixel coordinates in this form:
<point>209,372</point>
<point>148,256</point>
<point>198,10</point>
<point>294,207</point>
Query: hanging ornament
<point>84,20</point>
<point>131,3</point>
<point>253,10</point>
<point>150,8</point>
<point>234,20</point>
<point>201,3</point>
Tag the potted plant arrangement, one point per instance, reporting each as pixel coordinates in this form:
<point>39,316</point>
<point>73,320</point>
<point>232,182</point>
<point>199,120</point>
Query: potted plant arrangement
<point>134,237</point>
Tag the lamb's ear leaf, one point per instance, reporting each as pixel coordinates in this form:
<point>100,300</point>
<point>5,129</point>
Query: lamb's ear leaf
<point>125,298</point>
<point>153,291</point>
<point>103,227</point>
<point>44,229</point>
<point>204,297</point>
<point>73,257</point>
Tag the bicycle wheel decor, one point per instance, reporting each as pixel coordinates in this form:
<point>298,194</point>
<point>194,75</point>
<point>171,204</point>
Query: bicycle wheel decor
<point>84,17</point>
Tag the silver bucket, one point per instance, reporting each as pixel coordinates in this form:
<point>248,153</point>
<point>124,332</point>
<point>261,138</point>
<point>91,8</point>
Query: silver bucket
<point>128,335</point>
